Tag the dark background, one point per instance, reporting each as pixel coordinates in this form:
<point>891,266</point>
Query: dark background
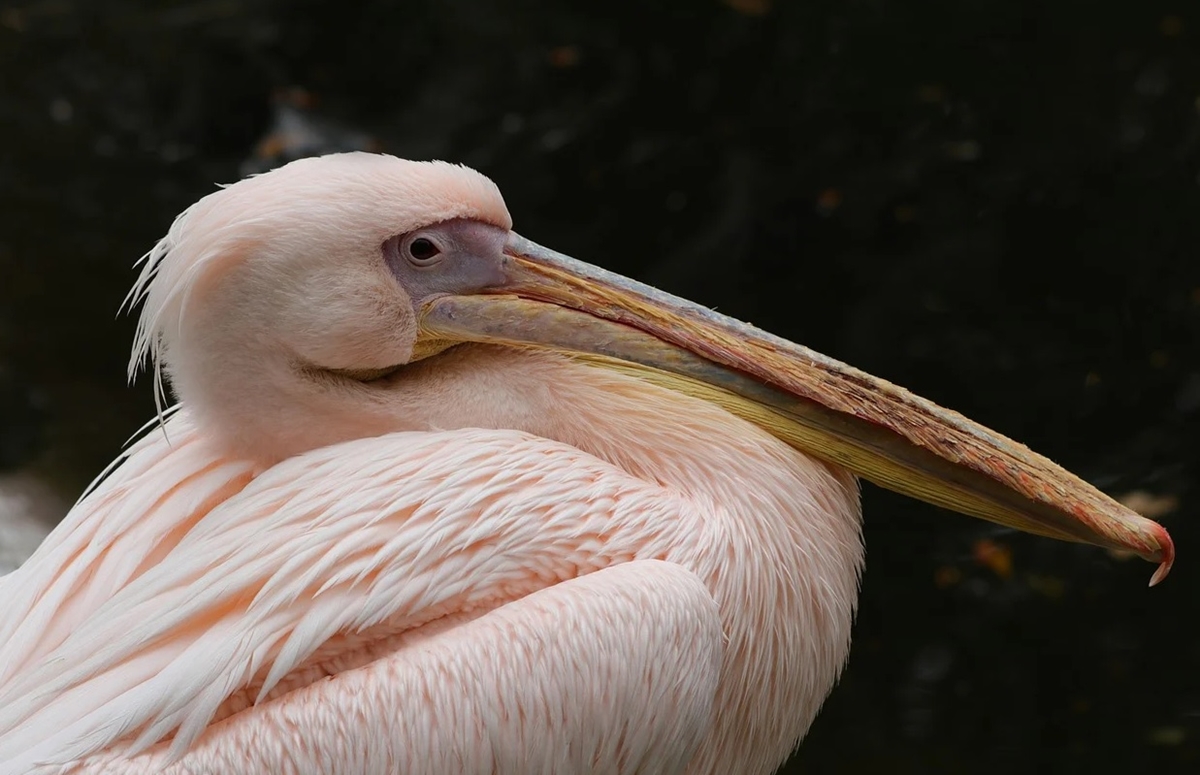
<point>992,202</point>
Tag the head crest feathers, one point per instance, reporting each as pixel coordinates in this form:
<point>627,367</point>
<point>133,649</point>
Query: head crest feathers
<point>341,201</point>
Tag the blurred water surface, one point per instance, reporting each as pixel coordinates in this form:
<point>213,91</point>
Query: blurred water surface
<point>993,203</point>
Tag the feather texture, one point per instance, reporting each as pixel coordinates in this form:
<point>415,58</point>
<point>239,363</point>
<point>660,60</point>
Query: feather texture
<point>173,606</point>
<point>491,560</point>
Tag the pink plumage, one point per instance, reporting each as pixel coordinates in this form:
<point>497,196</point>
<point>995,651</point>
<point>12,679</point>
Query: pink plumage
<point>358,547</point>
<point>488,595</point>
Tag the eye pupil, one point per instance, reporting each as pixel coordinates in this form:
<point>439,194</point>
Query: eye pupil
<point>423,249</point>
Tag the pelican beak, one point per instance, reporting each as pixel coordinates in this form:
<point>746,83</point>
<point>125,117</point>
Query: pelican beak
<point>820,406</point>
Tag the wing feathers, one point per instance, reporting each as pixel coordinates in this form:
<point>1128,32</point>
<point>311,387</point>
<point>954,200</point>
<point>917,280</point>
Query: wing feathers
<point>623,682</point>
<point>402,528</point>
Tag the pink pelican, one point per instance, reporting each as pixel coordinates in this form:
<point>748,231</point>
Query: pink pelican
<point>436,499</point>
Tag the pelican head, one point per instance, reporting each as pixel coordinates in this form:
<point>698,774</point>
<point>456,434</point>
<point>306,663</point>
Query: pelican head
<point>308,304</point>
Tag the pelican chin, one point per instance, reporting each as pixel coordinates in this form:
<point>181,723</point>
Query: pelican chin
<point>438,499</point>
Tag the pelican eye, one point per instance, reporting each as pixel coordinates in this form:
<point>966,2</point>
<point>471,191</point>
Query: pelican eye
<point>423,251</point>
